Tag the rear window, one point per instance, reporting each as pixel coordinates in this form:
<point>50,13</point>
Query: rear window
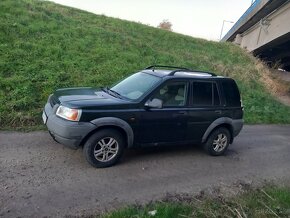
<point>232,94</point>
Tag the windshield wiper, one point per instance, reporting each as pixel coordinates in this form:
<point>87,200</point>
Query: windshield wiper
<point>112,92</point>
<point>117,94</point>
<point>104,89</point>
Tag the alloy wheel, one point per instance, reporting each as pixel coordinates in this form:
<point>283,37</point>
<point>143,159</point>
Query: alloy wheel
<point>106,149</point>
<point>220,142</point>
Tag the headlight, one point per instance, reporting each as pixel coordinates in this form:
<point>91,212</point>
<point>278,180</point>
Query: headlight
<point>68,113</point>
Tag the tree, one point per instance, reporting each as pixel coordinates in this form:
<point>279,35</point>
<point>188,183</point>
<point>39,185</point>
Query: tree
<point>166,25</point>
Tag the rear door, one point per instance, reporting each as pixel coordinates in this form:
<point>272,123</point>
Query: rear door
<point>205,108</point>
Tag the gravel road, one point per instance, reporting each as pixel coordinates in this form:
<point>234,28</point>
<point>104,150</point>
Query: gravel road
<point>39,177</point>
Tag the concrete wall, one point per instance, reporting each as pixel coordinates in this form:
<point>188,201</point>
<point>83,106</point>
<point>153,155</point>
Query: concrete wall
<point>269,28</point>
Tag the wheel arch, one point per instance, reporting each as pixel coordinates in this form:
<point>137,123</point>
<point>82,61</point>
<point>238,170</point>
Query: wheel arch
<point>218,123</point>
<point>112,123</point>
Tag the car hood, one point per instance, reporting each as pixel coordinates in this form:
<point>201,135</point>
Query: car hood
<point>85,97</point>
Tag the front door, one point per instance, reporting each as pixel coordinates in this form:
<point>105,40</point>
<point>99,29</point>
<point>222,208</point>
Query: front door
<point>169,123</point>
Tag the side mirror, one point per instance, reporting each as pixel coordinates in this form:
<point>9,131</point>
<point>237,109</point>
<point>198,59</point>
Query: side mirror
<point>154,103</point>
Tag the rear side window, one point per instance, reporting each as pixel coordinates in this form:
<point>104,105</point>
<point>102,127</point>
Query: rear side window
<point>205,94</point>
<point>231,93</point>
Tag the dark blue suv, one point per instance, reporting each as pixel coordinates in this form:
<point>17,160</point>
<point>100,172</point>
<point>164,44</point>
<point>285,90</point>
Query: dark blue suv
<point>160,105</point>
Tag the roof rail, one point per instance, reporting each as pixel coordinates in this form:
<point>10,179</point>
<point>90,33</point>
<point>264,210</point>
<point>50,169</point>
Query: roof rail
<point>164,66</point>
<point>190,71</point>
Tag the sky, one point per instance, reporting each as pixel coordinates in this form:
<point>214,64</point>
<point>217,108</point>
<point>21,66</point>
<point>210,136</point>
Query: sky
<point>197,18</point>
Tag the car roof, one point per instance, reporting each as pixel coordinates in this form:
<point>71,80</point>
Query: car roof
<point>182,73</point>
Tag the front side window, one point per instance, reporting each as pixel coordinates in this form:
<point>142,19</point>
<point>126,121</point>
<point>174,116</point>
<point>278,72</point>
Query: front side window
<point>136,85</point>
<point>172,94</point>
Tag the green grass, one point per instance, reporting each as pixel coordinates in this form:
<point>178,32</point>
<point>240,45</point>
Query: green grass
<point>261,203</point>
<point>45,46</point>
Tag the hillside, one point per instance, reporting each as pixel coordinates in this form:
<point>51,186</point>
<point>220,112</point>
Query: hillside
<point>45,46</point>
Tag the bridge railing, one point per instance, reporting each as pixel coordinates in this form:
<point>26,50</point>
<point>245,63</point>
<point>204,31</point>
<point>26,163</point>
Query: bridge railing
<point>242,19</point>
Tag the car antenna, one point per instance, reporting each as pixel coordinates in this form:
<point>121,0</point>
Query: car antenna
<point>155,60</point>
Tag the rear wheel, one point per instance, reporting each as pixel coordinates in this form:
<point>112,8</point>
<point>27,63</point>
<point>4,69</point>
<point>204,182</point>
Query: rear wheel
<point>104,148</point>
<point>218,142</point>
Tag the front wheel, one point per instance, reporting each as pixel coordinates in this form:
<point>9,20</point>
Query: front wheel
<point>104,148</point>
<point>218,142</point>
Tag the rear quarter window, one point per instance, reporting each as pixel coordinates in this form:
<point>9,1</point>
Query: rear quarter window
<point>231,93</point>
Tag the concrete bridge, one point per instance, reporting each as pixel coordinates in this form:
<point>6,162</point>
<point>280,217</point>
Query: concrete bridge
<point>264,30</point>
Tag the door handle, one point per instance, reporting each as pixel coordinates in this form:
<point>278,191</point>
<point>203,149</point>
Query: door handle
<point>218,112</point>
<point>179,114</point>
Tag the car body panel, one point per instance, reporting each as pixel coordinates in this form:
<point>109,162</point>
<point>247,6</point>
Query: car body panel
<point>141,125</point>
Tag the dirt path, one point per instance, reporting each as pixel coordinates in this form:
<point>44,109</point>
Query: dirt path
<point>283,77</point>
<point>39,177</point>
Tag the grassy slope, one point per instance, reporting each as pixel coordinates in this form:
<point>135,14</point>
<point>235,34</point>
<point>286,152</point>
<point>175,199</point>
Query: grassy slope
<point>44,46</point>
<point>261,203</point>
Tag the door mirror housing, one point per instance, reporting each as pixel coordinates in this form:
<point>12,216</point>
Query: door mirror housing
<point>154,103</point>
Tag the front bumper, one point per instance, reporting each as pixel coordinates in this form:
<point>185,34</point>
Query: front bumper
<point>66,132</point>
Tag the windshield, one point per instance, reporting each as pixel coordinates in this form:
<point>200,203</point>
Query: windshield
<point>136,85</point>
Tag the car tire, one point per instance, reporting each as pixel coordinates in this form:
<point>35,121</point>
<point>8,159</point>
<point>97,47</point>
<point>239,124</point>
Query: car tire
<point>217,142</point>
<point>104,148</point>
